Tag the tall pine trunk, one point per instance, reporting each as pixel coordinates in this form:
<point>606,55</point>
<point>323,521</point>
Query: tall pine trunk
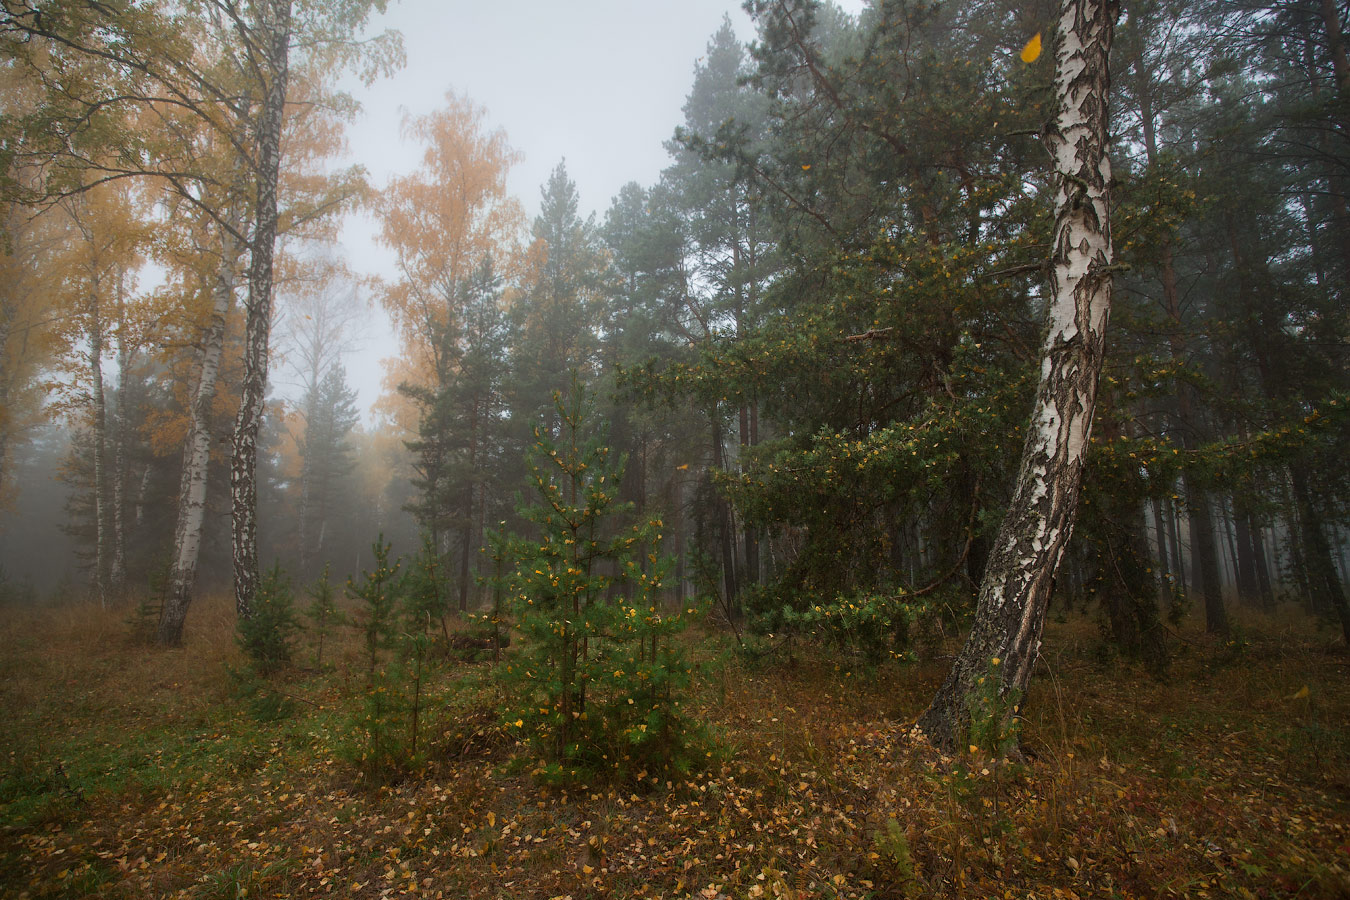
<point>1019,576</point>
<point>1204,554</point>
<point>1247,588</point>
<point>275,30</point>
<point>725,529</point>
<point>748,426</point>
<point>1327,592</point>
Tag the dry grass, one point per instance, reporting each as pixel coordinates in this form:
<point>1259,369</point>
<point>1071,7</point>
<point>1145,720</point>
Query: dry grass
<point>80,657</point>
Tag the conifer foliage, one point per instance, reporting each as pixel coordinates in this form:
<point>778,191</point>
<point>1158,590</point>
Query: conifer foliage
<point>268,636</point>
<point>596,684</point>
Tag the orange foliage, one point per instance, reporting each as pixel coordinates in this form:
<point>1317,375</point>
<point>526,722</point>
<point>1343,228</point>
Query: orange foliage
<point>442,221</point>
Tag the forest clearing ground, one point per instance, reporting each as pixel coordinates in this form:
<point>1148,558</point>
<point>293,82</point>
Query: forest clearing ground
<point>129,772</point>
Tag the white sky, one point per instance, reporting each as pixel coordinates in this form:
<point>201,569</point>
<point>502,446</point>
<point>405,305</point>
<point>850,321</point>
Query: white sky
<point>599,82</point>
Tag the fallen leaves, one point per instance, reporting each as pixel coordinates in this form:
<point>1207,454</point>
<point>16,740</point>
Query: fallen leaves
<point>1140,788</point>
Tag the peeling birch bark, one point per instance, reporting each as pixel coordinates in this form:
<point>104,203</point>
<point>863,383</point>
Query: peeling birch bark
<point>197,449</point>
<point>117,572</point>
<point>101,504</point>
<point>275,30</point>
<point>5,425</point>
<point>1019,576</point>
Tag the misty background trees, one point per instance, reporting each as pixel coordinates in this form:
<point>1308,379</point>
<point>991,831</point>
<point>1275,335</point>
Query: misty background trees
<point>815,338</point>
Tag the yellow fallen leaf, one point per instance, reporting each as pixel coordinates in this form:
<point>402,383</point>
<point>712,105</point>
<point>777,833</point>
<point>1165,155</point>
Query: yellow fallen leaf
<point>1032,51</point>
<point>1302,692</point>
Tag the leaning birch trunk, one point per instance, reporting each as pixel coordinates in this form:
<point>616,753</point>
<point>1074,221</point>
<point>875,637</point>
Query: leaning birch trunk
<point>117,572</point>
<point>275,28</point>
<point>1020,573</point>
<point>5,411</point>
<point>197,448</point>
<point>100,442</point>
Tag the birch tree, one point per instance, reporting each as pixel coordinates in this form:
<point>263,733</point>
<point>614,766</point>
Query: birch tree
<point>27,304</point>
<point>191,513</point>
<point>273,37</point>
<point>150,58</point>
<point>1019,577</point>
<point>101,260</point>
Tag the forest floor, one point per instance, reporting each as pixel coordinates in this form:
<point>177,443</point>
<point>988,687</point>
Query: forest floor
<point>133,772</point>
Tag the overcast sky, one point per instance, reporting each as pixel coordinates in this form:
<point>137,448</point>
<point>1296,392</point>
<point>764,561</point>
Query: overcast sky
<point>599,82</point>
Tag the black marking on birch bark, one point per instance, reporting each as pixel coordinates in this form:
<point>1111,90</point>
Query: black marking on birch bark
<point>1020,573</point>
<point>276,29</point>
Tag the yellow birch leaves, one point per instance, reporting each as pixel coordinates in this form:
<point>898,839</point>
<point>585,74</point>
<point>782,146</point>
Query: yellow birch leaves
<point>1032,51</point>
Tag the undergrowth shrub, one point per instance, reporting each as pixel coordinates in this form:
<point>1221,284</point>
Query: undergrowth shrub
<point>323,613</point>
<point>267,636</point>
<point>975,786</point>
<point>377,594</point>
<point>143,618</point>
<point>993,728</point>
<point>892,846</point>
<point>597,685</point>
<point>425,592</point>
<point>387,736</point>
<point>372,745</point>
<point>879,625</point>
<point>264,702</point>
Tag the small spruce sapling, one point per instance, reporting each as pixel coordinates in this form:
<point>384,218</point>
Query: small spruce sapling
<point>426,600</point>
<point>389,720</point>
<point>379,604</point>
<point>596,684</point>
<point>144,617</point>
<point>323,613</point>
<point>268,636</point>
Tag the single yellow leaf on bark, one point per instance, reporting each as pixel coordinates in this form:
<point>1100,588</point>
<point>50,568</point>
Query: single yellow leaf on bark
<point>1032,51</point>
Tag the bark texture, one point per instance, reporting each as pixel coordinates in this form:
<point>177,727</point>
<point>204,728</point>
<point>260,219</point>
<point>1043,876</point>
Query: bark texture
<point>197,451</point>
<point>102,503</point>
<point>1019,576</point>
<point>117,570</point>
<point>275,34</point>
<point>1324,583</point>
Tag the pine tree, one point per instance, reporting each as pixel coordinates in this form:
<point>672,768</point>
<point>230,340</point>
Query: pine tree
<point>596,685</point>
<point>268,636</point>
<point>326,461</point>
<point>323,613</point>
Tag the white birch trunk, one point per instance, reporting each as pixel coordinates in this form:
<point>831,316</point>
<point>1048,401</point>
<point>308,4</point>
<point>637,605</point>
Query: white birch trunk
<point>101,548</point>
<point>1020,574</point>
<point>5,411</point>
<point>117,569</point>
<point>274,30</point>
<point>197,449</point>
